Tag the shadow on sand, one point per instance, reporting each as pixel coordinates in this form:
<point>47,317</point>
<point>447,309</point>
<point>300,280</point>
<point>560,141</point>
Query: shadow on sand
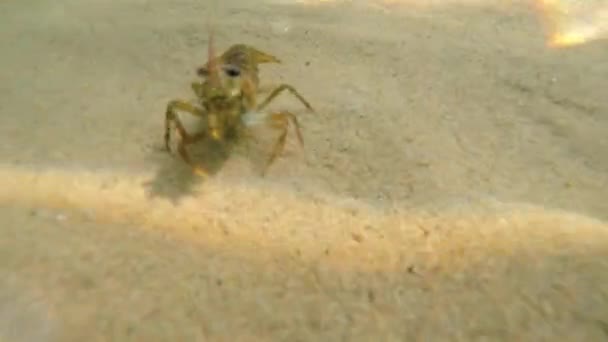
<point>175,179</point>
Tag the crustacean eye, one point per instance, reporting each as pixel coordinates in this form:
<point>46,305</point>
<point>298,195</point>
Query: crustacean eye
<point>232,70</point>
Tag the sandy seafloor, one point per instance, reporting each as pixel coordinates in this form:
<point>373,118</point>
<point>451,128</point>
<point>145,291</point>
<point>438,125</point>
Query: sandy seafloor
<point>452,186</point>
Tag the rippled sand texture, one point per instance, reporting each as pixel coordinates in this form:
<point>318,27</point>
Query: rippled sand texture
<point>452,186</point>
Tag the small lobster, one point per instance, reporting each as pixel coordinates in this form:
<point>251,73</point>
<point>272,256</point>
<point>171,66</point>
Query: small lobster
<point>227,101</point>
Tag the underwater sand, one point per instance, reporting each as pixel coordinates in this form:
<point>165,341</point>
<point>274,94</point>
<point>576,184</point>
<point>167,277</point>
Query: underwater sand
<point>452,187</point>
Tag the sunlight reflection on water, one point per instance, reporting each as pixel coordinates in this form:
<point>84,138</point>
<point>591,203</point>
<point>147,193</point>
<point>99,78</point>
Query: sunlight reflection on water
<point>567,22</point>
<point>574,22</point>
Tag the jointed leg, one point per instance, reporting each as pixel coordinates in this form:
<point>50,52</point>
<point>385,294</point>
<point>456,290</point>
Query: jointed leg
<point>181,148</point>
<point>171,116</point>
<point>280,89</point>
<point>185,137</point>
<point>280,120</point>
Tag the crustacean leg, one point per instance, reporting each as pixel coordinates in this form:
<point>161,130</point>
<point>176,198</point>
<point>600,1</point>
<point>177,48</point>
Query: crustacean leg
<point>280,120</point>
<point>278,91</point>
<point>185,137</point>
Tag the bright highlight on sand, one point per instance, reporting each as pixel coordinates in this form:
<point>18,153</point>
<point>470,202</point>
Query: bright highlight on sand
<point>241,219</point>
<point>256,221</point>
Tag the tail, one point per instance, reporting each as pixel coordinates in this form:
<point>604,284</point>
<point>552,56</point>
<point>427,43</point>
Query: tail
<point>234,55</point>
<point>261,57</point>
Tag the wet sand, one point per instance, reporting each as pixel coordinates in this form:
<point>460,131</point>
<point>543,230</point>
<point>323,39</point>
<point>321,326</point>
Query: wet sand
<point>452,185</point>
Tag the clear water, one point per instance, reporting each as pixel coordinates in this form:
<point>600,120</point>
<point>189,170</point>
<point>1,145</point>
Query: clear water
<point>442,107</point>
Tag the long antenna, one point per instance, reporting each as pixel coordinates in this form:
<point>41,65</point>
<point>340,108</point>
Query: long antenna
<point>212,64</point>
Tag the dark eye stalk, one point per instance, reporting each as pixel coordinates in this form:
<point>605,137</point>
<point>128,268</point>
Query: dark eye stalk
<point>232,70</point>
<point>229,70</point>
